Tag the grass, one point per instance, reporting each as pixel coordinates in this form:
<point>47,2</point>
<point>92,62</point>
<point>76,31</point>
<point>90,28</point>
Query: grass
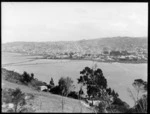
<point>46,102</point>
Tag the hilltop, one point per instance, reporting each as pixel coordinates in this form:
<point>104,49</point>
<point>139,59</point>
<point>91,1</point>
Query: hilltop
<point>81,46</point>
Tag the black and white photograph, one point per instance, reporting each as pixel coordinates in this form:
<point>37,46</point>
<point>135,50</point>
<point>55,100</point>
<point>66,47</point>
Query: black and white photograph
<point>74,57</point>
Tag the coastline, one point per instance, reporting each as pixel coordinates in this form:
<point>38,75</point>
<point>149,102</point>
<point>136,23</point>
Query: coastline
<point>74,59</point>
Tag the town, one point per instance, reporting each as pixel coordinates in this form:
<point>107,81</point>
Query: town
<point>105,56</point>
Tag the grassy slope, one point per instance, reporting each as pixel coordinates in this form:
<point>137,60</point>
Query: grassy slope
<point>46,102</point>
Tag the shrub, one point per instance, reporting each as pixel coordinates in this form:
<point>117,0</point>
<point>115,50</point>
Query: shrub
<point>35,84</point>
<point>56,90</point>
<point>16,97</point>
<point>101,107</point>
<point>6,93</point>
<point>73,94</point>
<point>26,78</point>
<point>119,102</point>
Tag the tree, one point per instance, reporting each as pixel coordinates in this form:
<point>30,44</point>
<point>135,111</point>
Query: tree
<point>140,86</point>
<point>81,91</point>
<point>32,76</point>
<point>94,80</point>
<point>56,90</point>
<point>109,91</point>
<point>140,101</point>
<point>16,97</point>
<point>70,55</point>
<point>73,94</point>
<point>141,105</point>
<point>51,82</point>
<point>112,92</point>
<point>65,85</point>
<point>25,77</point>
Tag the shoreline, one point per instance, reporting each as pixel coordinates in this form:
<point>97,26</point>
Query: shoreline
<point>41,57</point>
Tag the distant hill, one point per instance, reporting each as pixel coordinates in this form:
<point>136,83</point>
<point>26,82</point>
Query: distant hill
<point>83,46</point>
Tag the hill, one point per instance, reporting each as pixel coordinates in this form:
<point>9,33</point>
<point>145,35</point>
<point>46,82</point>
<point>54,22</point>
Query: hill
<point>43,101</point>
<point>82,46</point>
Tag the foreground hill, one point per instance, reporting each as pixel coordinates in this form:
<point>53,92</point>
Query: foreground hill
<point>82,46</point>
<point>43,101</point>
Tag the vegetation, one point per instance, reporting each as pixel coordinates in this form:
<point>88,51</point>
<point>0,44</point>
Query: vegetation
<point>17,100</point>
<point>80,93</point>
<point>51,82</point>
<point>94,80</point>
<point>55,90</point>
<point>73,94</point>
<point>140,99</point>
<point>97,89</point>
<point>24,78</point>
<point>65,85</point>
<point>11,76</point>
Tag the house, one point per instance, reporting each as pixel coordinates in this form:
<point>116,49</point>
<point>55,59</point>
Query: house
<point>43,88</point>
<point>95,102</point>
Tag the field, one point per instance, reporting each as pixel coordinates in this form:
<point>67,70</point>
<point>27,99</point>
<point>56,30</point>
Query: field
<point>120,76</point>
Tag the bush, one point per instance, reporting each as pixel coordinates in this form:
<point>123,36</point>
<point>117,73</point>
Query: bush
<point>119,102</point>
<point>73,94</point>
<point>101,107</point>
<point>16,97</point>
<point>36,83</point>
<point>26,78</point>
<point>56,90</point>
<point>6,93</point>
<point>119,106</point>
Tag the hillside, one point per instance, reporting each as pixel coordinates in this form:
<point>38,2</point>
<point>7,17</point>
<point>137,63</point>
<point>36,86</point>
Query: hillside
<point>43,101</point>
<point>82,46</point>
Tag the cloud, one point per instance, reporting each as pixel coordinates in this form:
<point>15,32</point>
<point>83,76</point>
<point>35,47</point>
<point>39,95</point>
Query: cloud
<point>63,21</point>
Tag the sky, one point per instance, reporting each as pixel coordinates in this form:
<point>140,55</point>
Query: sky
<point>37,21</point>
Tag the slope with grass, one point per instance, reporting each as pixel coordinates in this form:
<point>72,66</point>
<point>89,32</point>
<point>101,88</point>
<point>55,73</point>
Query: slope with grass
<point>44,101</point>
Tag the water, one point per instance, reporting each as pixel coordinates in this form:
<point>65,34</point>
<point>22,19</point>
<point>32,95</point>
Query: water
<point>119,76</point>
